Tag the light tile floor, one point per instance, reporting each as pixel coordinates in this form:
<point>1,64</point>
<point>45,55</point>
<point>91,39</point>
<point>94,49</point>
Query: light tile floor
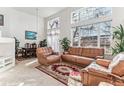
<point>25,74</point>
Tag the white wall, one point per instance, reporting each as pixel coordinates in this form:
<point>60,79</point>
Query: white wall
<point>16,22</point>
<point>64,22</point>
<point>117,16</point>
<point>117,19</point>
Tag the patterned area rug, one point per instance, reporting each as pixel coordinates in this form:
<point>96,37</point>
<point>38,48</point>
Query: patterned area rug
<point>59,71</point>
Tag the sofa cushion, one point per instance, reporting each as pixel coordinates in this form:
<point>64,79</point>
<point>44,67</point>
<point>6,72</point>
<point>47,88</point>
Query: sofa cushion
<point>75,51</point>
<point>46,51</point>
<point>119,68</point>
<point>70,58</point>
<point>40,50</point>
<point>103,62</point>
<point>50,51</point>
<point>84,60</point>
<point>71,51</point>
<point>85,52</point>
<point>92,52</point>
<point>53,58</point>
<point>78,51</point>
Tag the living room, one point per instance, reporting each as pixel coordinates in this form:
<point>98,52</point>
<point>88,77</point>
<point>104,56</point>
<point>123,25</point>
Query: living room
<point>61,46</point>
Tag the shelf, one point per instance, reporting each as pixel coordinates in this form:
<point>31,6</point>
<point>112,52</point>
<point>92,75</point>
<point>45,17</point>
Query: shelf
<point>6,62</point>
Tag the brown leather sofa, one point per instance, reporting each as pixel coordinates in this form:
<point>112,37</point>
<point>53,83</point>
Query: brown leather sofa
<point>46,56</point>
<point>92,77</point>
<point>82,56</point>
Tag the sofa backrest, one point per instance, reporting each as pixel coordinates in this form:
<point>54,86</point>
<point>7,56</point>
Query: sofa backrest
<point>45,50</point>
<point>75,51</point>
<point>92,52</point>
<point>86,52</point>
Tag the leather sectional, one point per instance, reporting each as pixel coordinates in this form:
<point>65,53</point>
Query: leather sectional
<point>79,56</point>
<point>82,56</point>
<point>95,72</point>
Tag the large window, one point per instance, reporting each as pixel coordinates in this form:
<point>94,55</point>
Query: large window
<point>90,13</point>
<point>53,30</point>
<point>54,23</point>
<point>93,33</point>
<point>89,35</point>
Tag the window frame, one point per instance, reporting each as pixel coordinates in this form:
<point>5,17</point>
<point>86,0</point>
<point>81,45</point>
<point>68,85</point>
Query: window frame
<point>88,22</point>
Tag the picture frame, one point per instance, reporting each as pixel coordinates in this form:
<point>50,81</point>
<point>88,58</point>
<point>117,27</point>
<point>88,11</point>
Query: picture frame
<point>30,35</point>
<point>1,20</point>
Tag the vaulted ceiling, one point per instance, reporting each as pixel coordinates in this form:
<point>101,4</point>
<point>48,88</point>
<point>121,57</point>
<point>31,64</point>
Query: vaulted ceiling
<point>42,11</point>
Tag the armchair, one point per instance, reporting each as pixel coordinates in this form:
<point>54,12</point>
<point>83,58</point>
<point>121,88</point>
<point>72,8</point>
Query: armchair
<point>104,71</point>
<point>93,77</point>
<point>46,56</point>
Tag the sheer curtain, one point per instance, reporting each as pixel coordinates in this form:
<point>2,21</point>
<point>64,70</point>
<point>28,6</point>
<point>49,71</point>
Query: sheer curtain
<point>53,33</point>
<point>53,40</point>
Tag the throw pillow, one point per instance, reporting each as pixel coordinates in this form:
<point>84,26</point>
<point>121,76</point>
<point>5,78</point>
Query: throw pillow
<point>116,60</point>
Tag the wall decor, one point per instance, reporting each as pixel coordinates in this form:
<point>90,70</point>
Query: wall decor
<point>30,35</point>
<point>1,20</point>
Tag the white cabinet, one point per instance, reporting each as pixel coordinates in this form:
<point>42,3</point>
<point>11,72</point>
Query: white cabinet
<point>6,63</point>
<point>7,53</point>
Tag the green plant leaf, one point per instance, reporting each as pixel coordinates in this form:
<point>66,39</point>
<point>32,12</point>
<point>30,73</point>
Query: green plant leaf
<point>65,43</point>
<point>118,34</point>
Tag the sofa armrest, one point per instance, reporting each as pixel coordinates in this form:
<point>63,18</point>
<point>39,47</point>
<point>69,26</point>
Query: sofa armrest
<point>115,77</point>
<point>99,73</point>
<point>103,62</point>
<point>83,70</point>
<point>117,80</point>
<point>99,57</point>
<point>93,77</point>
<point>110,76</point>
<point>95,72</point>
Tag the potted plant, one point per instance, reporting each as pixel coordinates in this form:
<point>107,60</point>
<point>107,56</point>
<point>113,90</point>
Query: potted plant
<point>118,35</point>
<point>65,43</point>
<point>43,43</point>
